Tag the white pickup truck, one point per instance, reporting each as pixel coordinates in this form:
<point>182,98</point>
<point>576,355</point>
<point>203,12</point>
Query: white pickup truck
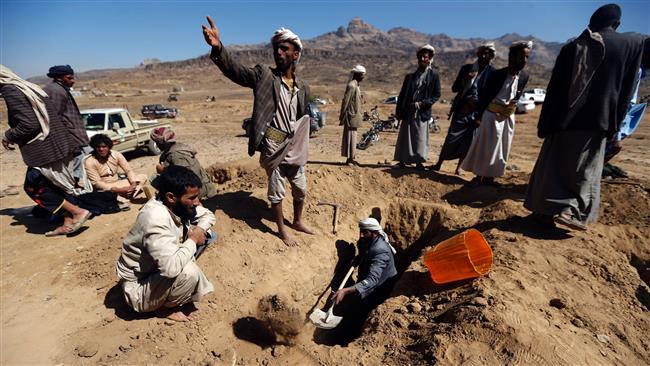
<point>536,95</point>
<point>127,134</point>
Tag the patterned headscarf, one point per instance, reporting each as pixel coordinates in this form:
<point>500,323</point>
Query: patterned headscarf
<point>488,46</point>
<point>427,47</point>
<point>522,44</point>
<point>163,135</point>
<point>286,35</point>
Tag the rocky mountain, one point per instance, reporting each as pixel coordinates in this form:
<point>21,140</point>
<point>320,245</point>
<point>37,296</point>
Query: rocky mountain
<point>387,55</point>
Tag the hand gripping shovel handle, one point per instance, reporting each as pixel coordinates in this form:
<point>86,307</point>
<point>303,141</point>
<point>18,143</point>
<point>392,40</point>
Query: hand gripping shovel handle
<point>330,311</point>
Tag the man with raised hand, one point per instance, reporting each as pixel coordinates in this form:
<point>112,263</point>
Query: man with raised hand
<point>280,126</point>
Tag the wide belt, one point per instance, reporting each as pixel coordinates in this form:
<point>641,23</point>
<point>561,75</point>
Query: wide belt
<point>504,110</point>
<point>276,135</point>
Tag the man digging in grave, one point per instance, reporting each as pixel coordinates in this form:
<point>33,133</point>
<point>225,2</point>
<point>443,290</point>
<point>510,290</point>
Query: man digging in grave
<point>376,275</point>
<point>157,267</point>
<point>280,127</point>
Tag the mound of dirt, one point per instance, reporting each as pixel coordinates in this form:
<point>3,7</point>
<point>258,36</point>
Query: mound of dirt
<point>284,320</point>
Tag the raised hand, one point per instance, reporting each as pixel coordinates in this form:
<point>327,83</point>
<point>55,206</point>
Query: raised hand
<point>211,34</point>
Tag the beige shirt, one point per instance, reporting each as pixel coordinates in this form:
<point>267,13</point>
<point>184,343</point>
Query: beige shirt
<point>100,173</point>
<point>158,242</point>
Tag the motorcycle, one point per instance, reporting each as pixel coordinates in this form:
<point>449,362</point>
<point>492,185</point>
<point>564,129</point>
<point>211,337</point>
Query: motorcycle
<point>377,125</point>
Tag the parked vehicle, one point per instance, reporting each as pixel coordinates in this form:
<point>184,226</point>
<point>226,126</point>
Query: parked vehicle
<point>316,120</point>
<point>127,134</point>
<point>525,105</point>
<point>150,111</point>
<point>391,100</point>
<point>536,95</point>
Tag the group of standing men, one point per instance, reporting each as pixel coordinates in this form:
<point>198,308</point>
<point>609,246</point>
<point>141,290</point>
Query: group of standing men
<point>591,86</point>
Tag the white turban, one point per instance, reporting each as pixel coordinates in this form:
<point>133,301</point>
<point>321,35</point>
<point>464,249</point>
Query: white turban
<point>372,224</point>
<point>286,35</point>
<point>359,69</point>
<point>489,46</point>
<point>427,47</point>
<point>522,44</point>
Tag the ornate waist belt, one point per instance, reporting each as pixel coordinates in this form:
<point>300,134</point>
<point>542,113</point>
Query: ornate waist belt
<point>504,110</point>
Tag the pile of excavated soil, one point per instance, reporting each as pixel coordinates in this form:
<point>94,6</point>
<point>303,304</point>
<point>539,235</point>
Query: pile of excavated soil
<point>552,297</point>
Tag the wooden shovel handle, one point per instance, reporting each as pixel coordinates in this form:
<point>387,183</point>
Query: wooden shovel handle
<point>347,276</point>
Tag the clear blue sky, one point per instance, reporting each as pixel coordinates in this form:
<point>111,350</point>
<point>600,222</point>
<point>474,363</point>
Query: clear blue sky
<point>36,34</point>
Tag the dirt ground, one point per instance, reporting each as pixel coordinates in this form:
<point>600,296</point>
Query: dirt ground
<point>552,297</point>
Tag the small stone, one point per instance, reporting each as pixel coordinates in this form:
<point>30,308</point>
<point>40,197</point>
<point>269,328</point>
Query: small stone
<point>87,349</point>
<point>80,248</point>
<point>602,338</point>
<point>401,310</point>
<point>578,323</point>
<point>480,301</point>
<point>169,322</point>
<point>557,303</point>
<point>453,295</point>
<point>400,323</point>
<point>124,348</point>
<point>277,351</point>
<point>414,307</point>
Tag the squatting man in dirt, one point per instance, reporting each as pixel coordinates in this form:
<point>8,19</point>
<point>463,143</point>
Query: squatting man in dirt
<point>280,127</point>
<point>376,274</point>
<point>157,267</point>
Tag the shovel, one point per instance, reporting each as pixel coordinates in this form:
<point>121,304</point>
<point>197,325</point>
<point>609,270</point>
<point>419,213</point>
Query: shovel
<point>327,319</point>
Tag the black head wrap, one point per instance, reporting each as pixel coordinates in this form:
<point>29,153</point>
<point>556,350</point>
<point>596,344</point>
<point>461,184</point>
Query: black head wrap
<point>605,16</point>
<point>60,70</point>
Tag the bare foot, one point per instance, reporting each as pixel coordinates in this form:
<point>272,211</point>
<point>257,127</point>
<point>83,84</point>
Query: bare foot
<point>288,241</point>
<point>299,226</point>
<point>177,316</point>
<point>190,310</point>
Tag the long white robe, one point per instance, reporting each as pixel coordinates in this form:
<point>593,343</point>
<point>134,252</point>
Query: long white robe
<point>488,154</point>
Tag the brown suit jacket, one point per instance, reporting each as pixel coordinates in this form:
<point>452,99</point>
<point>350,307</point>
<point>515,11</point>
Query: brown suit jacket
<point>265,82</point>
<point>24,127</point>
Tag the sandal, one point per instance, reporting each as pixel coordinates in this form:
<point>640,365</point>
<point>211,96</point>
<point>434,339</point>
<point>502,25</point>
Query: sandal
<point>61,230</point>
<point>568,220</point>
<point>78,224</point>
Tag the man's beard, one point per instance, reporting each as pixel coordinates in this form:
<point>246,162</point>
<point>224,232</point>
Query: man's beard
<point>364,244</point>
<point>186,214</point>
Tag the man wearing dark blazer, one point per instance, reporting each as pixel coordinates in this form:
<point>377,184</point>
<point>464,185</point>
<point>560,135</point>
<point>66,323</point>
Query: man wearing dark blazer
<point>280,126</point>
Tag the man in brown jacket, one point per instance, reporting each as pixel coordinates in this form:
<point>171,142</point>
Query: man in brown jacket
<point>350,116</point>
<point>280,127</point>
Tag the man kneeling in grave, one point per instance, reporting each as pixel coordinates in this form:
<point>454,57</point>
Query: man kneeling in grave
<point>376,274</point>
<point>157,267</point>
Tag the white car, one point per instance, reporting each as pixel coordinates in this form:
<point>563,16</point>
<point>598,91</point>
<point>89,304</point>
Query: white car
<point>525,105</point>
<point>536,95</point>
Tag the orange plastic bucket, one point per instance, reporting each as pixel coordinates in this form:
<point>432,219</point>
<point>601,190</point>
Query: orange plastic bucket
<point>466,255</point>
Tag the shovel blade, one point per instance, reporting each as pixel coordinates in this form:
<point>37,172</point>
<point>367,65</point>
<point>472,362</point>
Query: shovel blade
<point>320,319</point>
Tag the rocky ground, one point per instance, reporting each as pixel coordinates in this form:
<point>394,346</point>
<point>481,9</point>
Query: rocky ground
<point>552,297</point>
